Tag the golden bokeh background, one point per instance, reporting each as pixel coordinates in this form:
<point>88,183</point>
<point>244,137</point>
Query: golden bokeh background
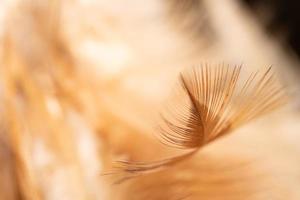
<point>82,83</point>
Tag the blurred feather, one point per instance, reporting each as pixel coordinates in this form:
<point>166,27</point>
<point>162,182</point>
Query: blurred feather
<point>191,17</point>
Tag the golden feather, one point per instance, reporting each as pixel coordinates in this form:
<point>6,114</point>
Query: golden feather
<point>210,102</point>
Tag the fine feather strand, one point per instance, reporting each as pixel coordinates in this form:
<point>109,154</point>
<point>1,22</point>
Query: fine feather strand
<point>218,101</point>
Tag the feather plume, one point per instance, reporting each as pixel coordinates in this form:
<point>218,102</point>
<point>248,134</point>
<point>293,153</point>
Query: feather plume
<point>210,102</point>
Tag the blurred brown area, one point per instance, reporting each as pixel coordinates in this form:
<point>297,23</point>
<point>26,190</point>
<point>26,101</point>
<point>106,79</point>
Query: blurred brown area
<point>83,81</point>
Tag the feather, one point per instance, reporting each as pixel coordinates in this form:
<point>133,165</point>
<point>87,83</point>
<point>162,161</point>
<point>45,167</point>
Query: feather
<point>210,102</point>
